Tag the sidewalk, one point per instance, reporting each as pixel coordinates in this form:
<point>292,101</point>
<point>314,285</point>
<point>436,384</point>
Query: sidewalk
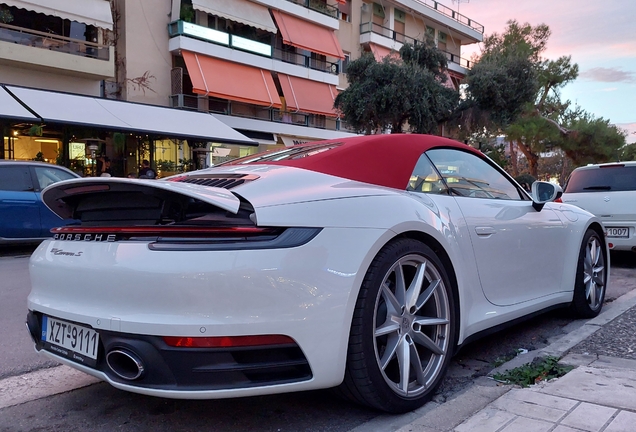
<point>599,395</point>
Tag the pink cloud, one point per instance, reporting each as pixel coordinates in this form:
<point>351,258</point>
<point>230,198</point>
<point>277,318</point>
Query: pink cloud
<point>580,29</point>
<point>630,128</point>
<point>603,74</point>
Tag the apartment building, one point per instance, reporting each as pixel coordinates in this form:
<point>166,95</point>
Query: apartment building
<point>55,58</point>
<point>268,69</point>
<point>272,68</point>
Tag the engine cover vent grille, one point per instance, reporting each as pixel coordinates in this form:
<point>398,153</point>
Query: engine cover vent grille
<point>226,181</point>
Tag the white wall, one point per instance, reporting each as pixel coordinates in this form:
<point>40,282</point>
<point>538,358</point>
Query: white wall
<point>45,79</point>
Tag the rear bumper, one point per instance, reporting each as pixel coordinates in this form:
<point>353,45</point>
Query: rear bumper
<point>188,370</point>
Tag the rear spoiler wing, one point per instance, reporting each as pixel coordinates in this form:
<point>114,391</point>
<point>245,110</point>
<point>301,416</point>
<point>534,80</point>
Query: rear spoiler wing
<point>56,195</point>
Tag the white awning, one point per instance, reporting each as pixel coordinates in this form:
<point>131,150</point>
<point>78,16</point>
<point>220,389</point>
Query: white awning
<point>12,109</point>
<point>64,108</point>
<point>92,12</point>
<point>242,11</point>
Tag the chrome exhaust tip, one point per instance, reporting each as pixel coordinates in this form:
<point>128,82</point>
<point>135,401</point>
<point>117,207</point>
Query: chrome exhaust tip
<point>31,333</point>
<point>125,364</point>
<point>33,327</point>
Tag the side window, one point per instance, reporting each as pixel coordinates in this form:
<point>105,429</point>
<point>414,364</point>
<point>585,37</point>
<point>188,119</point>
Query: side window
<point>468,175</point>
<point>15,178</point>
<point>47,176</point>
<point>425,179</point>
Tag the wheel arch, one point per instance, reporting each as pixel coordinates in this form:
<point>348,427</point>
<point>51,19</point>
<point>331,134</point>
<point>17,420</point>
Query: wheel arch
<point>598,229</point>
<point>596,226</point>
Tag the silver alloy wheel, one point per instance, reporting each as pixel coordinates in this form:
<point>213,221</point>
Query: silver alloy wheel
<point>412,325</point>
<point>594,273</point>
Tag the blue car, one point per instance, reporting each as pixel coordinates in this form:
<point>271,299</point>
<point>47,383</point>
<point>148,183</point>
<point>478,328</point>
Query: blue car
<point>23,216</point>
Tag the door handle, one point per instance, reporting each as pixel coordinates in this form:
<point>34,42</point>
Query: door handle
<point>485,231</point>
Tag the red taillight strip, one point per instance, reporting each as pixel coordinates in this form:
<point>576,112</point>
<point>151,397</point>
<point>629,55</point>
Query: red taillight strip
<point>163,230</point>
<point>85,189</point>
<point>226,341</point>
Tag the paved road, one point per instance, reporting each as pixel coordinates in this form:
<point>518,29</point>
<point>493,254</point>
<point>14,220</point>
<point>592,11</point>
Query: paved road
<point>17,355</point>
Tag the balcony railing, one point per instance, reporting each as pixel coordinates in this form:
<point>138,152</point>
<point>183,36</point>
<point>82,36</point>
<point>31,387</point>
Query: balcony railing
<point>371,27</point>
<point>238,109</point>
<point>53,42</point>
<point>306,61</point>
<point>318,6</point>
<point>182,28</point>
<point>456,16</point>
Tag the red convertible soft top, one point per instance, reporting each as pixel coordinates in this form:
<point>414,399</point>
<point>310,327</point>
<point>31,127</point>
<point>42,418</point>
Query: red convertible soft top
<point>384,160</point>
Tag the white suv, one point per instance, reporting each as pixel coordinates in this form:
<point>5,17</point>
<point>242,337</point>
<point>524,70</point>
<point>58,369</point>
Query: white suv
<point>609,191</point>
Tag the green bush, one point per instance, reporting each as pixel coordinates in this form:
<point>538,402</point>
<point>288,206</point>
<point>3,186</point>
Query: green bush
<point>540,369</point>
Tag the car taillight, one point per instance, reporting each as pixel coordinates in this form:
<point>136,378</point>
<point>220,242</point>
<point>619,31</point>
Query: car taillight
<point>226,341</point>
<point>193,238</point>
<point>163,231</point>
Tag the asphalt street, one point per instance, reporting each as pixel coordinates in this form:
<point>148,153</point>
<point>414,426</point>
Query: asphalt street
<point>18,355</point>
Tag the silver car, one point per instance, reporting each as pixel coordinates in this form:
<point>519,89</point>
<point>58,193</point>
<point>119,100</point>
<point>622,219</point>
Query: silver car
<point>609,192</point>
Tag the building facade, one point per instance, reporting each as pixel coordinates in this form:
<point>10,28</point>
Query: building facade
<point>272,68</point>
<point>269,69</point>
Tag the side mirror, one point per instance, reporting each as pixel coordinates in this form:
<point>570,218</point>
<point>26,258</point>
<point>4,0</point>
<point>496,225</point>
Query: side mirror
<point>543,192</point>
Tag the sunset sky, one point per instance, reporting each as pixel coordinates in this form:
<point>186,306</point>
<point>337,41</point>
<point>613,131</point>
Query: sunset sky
<point>599,35</point>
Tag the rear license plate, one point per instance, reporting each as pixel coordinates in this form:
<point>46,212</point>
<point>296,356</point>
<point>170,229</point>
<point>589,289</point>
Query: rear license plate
<point>69,340</point>
<point>618,232</point>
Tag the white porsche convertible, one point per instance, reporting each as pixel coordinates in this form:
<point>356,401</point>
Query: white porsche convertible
<point>361,263</point>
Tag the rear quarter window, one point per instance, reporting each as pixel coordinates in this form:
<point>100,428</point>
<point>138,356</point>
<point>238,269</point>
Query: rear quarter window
<point>604,179</point>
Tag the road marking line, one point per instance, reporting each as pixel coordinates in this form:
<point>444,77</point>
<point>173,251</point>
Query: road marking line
<point>42,383</point>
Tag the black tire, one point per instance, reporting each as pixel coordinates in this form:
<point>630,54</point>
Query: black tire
<point>591,276</point>
<point>385,343</point>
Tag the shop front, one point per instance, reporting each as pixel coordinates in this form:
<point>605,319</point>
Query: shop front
<point>83,132</point>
